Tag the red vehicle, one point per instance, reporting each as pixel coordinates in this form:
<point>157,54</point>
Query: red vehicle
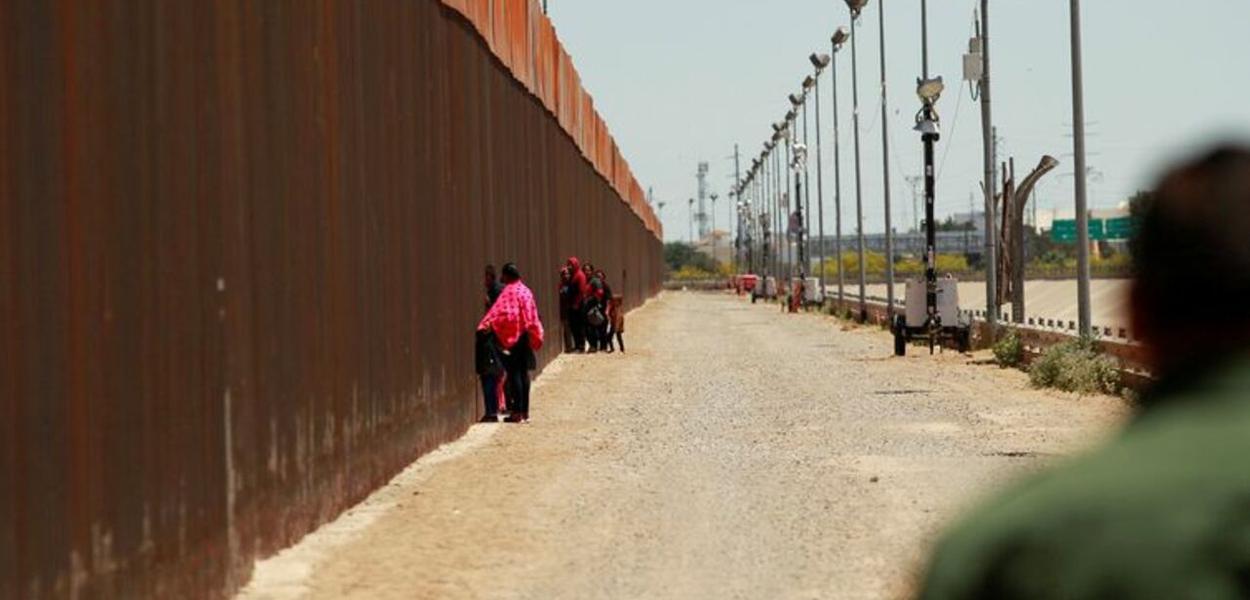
<point>747,283</point>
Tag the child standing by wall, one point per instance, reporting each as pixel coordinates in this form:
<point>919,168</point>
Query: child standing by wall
<point>617,316</point>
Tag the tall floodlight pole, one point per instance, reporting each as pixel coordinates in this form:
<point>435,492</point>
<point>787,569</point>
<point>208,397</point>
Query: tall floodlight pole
<point>771,206</point>
<point>820,62</point>
<point>774,208</point>
<point>806,215</point>
<point>1078,143</point>
<point>838,39</point>
<point>788,200</point>
<point>802,195</point>
<point>856,6</point>
<point>799,166</point>
<point>987,133</point>
<point>757,223</point>
<point>713,198</point>
<point>885,173</point>
<point>927,123</point>
<point>779,218</point>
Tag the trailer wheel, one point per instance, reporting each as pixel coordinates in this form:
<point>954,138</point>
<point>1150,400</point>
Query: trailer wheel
<point>900,344</point>
<point>964,340</point>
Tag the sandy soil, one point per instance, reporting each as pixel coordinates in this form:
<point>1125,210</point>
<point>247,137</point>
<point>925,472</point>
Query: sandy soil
<point>734,452</point>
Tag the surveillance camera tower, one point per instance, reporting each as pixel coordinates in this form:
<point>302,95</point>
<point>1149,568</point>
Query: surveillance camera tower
<point>701,216</point>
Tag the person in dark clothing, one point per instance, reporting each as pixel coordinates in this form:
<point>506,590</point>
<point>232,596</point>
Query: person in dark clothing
<point>593,309</point>
<point>579,288</point>
<point>568,299</point>
<point>488,349</point>
<point>604,294</point>
<point>515,322</point>
<point>490,370</point>
<point>617,318</point>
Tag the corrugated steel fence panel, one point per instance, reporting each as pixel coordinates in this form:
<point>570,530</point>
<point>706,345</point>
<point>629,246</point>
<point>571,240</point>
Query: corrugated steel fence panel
<point>240,259</point>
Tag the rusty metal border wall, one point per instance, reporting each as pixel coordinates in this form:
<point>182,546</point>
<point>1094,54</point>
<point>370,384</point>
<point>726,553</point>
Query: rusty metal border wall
<point>240,257</point>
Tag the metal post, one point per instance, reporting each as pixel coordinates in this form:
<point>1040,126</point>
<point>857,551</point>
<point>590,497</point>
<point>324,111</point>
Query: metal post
<point>800,241</point>
<point>837,181</point>
<point>806,211</point>
<point>788,203</point>
<point>820,193</point>
<point>859,180</point>
<point>775,208</point>
<point>987,132</point>
<point>933,317</point>
<point>766,206</point>
<point>713,197</point>
<point>1078,142</point>
<point>885,177</point>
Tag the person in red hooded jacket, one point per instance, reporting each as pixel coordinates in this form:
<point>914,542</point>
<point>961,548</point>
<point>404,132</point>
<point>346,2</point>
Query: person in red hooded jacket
<point>577,316</point>
<point>515,321</point>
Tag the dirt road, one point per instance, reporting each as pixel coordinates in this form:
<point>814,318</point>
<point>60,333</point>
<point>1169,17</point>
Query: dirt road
<point>734,452</point>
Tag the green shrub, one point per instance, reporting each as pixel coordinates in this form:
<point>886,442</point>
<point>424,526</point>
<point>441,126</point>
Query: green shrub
<point>1008,351</point>
<point>1076,366</point>
<point>692,273</point>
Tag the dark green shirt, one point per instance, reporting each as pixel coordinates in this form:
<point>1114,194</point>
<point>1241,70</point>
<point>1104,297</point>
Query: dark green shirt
<point>1161,512</point>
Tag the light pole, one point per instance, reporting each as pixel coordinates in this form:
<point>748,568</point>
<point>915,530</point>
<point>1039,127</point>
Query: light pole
<point>820,62</point>
<point>713,197</point>
<point>799,166</point>
<point>808,82</point>
<point>987,134</point>
<point>838,39</point>
<point>802,192</point>
<point>927,123</point>
<point>856,6</point>
<point>885,174</point>
<point>1078,143</point>
<point>789,201</point>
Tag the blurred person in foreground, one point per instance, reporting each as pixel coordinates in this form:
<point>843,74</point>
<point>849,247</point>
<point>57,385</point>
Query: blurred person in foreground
<point>515,321</point>
<point>1163,511</point>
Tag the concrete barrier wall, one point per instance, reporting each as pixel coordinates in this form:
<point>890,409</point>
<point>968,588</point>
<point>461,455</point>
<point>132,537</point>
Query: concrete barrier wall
<point>241,265</point>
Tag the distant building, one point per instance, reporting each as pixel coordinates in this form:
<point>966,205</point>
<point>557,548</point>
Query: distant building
<point>718,244</point>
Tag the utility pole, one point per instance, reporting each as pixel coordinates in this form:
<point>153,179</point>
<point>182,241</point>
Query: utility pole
<point>820,167</point>
<point>738,221</point>
<point>987,132</point>
<point>788,203</point>
<point>1078,142</point>
<point>836,42</point>
<point>805,207</point>
<point>929,127</point>
<point>859,179</point>
<point>714,196</point>
<point>885,175</point>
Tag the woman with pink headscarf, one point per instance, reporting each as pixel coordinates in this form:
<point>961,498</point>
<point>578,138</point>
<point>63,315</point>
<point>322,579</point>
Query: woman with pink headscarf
<point>515,322</point>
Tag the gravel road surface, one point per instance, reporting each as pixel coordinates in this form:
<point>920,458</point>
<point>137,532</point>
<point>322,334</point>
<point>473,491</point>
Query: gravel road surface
<point>734,452</point>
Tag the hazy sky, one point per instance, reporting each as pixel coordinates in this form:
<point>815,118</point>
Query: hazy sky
<point>680,81</point>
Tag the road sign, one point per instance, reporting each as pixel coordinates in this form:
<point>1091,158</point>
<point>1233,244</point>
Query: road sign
<point>1118,228</point>
<point>1063,232</point>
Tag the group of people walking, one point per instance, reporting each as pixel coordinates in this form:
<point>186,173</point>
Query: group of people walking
<point>511,331</point>
<point>590,313</point>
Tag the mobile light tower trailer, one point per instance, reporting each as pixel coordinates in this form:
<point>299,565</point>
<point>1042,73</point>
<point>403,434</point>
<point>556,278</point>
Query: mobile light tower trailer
<point>932,306</point>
